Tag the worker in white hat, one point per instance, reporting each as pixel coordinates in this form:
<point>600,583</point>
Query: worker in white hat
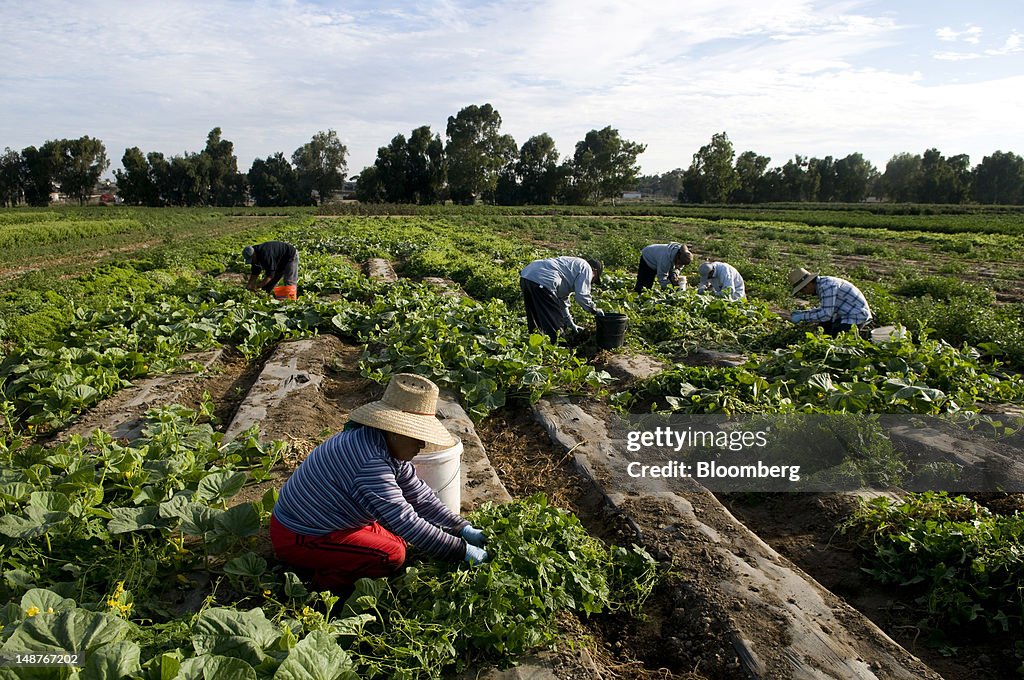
<point>721,279</point>
<point>350,507</point>
<point>842,305</point>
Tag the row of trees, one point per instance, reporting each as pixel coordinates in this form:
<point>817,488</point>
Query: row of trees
<point>210,177</point>
<point>718,175</point>
<point>29,175</point>
<point>476,161</point>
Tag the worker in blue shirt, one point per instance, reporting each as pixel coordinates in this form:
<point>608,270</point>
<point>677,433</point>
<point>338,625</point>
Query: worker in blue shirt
<point>547,286</point>
<point>662,261</point>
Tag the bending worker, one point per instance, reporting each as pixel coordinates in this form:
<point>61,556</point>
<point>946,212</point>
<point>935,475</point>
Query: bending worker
<point>660,261</point>
<point>842,305</point>
<point>350,507</point>
<point>722,280</point>
<point>547,285</point>
<point>279,260</point>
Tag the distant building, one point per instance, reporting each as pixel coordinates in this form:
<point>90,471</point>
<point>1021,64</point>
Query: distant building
<point>632,194</point>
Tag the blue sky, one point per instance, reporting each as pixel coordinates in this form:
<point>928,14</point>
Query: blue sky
<point>781,77</point>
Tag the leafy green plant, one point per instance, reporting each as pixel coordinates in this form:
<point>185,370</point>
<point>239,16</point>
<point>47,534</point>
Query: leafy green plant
<point>543,561</point>
<point>965,562</point>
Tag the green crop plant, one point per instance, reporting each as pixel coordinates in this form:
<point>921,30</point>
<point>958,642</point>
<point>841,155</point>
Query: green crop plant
<point>965,563</point>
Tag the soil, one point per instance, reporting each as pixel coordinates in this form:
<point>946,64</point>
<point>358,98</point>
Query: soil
<point>676,638</point>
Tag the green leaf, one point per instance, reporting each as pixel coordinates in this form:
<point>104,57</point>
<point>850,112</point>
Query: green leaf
<point>239,521</point>
<point>351,625</point>
<point>317,657</point>
<point>15,492</point>
<point>83,393</point>
<point>215,667</point>
<point>244,635</point>
<point>15,526</point>
<point>821,381</point>
<point>46,601</point>
<point>73,630</point>
<point>167,665</point>
<point>112,661</point>
<point>196,518</point>
<point>250,565</point>
<point>19,579</point>
<point>136,519</point>
<point>293,587</point>
<point>220,486</point>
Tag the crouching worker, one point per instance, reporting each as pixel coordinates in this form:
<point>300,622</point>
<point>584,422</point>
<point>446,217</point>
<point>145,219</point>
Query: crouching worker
<point>274,260</point>
<point>350,507</point>
<point>721,280</point>
<point>662,261</point>
<point>841,304</point>
<point>547,286</point>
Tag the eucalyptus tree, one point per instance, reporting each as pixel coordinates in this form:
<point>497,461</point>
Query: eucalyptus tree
<point>603,165</point>
<point>711,177</point>
<point>321,165</point>
<point>477,152</point>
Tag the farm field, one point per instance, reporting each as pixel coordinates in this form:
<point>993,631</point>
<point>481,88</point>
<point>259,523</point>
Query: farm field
<point>146,542</point>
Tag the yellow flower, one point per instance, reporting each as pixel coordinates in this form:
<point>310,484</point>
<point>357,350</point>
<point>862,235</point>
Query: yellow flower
<point>31,611</point>
<point>119,600</point>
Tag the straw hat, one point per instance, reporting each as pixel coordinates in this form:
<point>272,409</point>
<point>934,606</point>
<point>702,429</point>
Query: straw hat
<point>799,278</point>
<point>408,407</point>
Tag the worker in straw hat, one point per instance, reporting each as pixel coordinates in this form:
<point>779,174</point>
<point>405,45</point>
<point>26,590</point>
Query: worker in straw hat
<point>547,286</point>
<point>842,305</point>
<point>350,507</point>
<point>275,260</point>
<point>662,261</point>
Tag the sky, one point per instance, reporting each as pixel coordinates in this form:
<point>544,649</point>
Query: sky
<point>779,77</point>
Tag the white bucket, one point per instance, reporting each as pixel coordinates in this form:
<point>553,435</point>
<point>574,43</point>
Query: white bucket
<point>887,333</point>
<point>442,471</point>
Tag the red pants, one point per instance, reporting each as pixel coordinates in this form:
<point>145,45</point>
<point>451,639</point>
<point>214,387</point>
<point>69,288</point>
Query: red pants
<point>340,558</point>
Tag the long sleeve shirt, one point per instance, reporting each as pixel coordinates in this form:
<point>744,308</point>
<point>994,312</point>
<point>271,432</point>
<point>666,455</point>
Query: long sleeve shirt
<point>661,257</point>
<point>841,301</point>
<point>722,280</point>
<point>563,276</point>
<point>272,256</point>
<point>351,481</point>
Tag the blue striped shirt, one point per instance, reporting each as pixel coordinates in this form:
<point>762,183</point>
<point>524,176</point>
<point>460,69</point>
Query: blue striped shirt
<point>351,481</point>
<point>841,301</point>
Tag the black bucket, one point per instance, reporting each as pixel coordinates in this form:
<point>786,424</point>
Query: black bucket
<point>611,329</point>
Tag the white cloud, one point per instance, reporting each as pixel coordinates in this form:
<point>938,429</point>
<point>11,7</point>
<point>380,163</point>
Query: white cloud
<point>1015,43</point>
<point>971,34</point>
